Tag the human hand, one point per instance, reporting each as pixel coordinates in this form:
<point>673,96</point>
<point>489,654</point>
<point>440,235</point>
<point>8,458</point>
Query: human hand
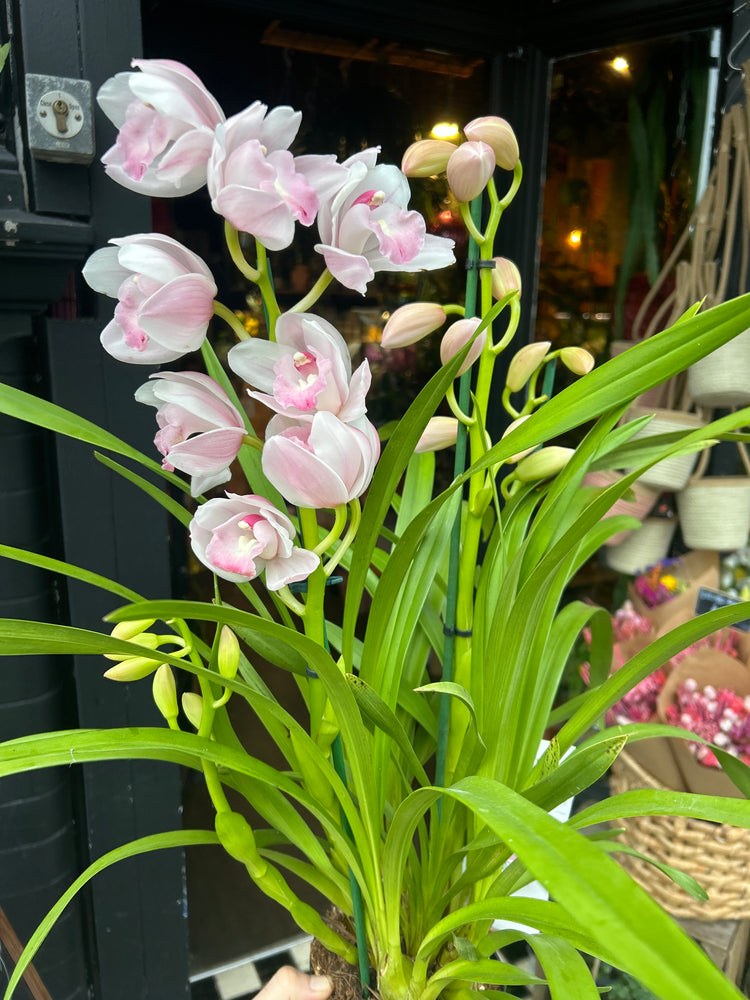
<point>288,983</point>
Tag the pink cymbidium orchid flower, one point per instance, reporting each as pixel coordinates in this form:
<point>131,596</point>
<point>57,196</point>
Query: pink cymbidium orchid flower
<point>255,182</point>
<point>165,297</point>
<point>323,463</point>
<point>365,226</point>
<point>166,120</point>
<point>307,369</point>
<point>242,536</point>
<point>200,430</point>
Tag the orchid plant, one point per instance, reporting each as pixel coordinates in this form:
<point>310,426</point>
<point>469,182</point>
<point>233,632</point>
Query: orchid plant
<point>416,799</point>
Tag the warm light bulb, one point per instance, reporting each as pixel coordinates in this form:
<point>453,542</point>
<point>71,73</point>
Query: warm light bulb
<point>445,130</point>
<point>574,238</point>
<point>620,64</point>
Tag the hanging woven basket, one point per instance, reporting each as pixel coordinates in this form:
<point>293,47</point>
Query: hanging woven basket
<point>722,379</point>
<point>715,510</point>
<point>671,473</point>
<point>644,498</point>
<point>643,547</point>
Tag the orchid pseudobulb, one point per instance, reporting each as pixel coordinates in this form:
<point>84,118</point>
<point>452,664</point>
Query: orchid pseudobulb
<point>307,369</point>
<point>240,537</point>
<point>165,297</point>
<point>166,120</point>
<point>200,429</point>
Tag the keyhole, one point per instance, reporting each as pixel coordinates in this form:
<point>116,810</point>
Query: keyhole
<point>61,111</point>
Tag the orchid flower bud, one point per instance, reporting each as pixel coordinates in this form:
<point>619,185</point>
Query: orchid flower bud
<point>192,706</point>
<point>524,363</point>
<point>165,692</point>
<point>577,359</point>
<point>469,169</point>
<point>543,463</point>
<point>439,433</point>
<point>147,640</point>
<point>134,668</point>
<point>498,134</point>
<point>129,630</point>
<point>505,278</point>
<point>457,336</point>
<point>410,323</point>
<point>229,653</point>
<point>427,157</point>
<point>511,427</point>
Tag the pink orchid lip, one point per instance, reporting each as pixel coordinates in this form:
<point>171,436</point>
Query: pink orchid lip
<point>240,537</point>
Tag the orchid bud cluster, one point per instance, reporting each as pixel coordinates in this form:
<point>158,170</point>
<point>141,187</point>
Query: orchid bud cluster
<point>490,143</point>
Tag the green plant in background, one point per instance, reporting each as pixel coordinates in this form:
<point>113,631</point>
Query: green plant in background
<point>415,805</point>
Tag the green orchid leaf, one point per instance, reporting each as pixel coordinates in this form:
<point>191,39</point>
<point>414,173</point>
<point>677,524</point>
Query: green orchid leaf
<point>164,499</point>
<point>490,971</point>
<point>682,879</point>
<point>665,802</point>
<point>564,969</point>
<point>68,569</point>
<point>285,640</point>
<point>155,842</point>
<point>379,715</point>
<point>617,912</point>
<point>417,489</point>
<point>465,948</point>
<point>41,412</point>
<point>577,772</point>
<point>189,750</point>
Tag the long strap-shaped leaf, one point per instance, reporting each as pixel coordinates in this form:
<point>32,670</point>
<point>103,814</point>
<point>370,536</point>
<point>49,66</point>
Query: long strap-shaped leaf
<point>50,416</point>
<point>155,842</point>
<point>617,912</point>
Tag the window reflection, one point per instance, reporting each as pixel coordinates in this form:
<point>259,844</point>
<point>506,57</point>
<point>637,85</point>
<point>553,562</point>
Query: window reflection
<point>626,135</point>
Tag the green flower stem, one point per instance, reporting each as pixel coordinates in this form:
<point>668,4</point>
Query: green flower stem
<point>210,771</point>
<point>235,252</point>
<point>358,906</point>
<point>453,309</point>
<point>314,294</point>
<point>514,186</point>
<point>510,331</point>
<point>472,225</point>
<point>253,442</point>
<point>315,628</point>
<point>223,312</point>
<point>265,284</point>
<point>471,216</point>
<point>346,541</point>
<point>532,400</point>
<point>313,615</point>
<point>335,532</point>
<point>456,410</point>
<point>287,598</point>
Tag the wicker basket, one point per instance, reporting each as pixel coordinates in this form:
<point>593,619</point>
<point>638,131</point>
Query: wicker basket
<point>643,500</point>
<point>671,473</point>
<point>643,547</point>
<point>715,510</point>
<point>722,379</point>
<point>717,856</point>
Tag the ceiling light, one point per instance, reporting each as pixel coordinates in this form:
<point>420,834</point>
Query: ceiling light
<point>445,130</point>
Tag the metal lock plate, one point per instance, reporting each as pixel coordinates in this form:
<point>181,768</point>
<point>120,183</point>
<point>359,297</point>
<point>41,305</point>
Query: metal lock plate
<point>59,119</point>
